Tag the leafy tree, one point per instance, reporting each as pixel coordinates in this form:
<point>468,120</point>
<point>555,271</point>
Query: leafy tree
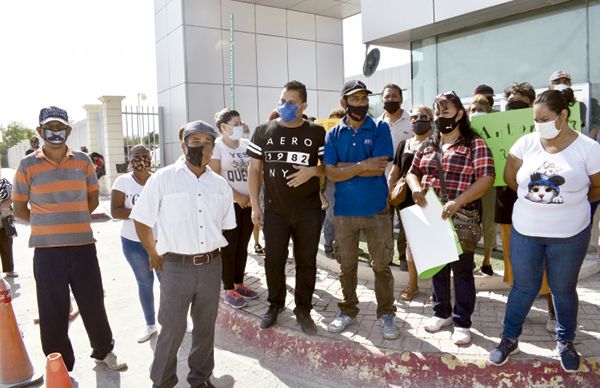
<point>13,134</point>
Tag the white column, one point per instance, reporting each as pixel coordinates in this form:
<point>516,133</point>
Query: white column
<point>114,153</point>
<point>92,111</point>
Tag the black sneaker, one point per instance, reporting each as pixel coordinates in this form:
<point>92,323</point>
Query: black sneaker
<point>569,359</point>
<point>270,317</point>
<point>487,269</point>
<point>306,323</point>
<point>403,265</point>
<point>499,355</point>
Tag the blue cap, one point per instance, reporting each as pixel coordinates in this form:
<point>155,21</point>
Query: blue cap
<point>199,126</point>
<point>53,113</point>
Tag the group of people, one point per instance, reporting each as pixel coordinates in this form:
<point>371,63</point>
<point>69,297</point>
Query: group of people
<point>189,224</point>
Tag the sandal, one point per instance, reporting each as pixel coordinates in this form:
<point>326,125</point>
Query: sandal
<point>408,294</point>
<point>487,269</point>
<point>259,250</point>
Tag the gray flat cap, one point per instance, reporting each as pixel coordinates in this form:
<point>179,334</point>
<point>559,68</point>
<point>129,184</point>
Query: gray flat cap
<point>199,126</point>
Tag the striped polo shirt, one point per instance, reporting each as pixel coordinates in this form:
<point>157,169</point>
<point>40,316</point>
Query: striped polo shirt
<point>58,198</point>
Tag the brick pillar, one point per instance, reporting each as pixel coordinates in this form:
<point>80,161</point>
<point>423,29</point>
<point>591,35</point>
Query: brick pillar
<point>112,122</point>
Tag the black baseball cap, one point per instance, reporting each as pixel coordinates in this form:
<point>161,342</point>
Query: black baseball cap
<point>353,86</point>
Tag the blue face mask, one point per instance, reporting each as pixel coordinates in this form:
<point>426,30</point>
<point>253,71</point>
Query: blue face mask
<point>287,111</point>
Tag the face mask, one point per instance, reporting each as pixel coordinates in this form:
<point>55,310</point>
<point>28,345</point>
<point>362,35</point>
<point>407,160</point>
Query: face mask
<point>194,155</point>
<point>237,133</point>
<point>357,113</point>
<point>391,106</point>
<point>516,104</point>
<point>140,164</point>
<point>421,127</point>
<point>287,112</point>
<point>475,114</point>
<point>446,124</point>
<point>547,130</point>
<point>560,87</point>
<point>55,137</point>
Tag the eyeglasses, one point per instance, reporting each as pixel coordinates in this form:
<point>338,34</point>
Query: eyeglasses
<point>420,117</point>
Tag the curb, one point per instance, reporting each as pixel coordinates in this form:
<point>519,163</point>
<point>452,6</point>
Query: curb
<point>591,266</point>
<point>348,362</point>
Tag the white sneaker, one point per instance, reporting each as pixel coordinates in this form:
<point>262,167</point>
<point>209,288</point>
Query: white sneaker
<point>110,361</point>
<point>461,335</point>
<point>551,325</point>
<point>148,332</point>
<point>434,323</point>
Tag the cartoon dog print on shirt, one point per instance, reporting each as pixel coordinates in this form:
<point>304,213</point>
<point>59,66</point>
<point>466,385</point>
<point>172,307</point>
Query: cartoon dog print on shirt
<point>544,185</point>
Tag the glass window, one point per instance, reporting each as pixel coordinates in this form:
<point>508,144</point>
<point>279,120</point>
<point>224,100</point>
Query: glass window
<point>594,47</point>
<point>424,72</point>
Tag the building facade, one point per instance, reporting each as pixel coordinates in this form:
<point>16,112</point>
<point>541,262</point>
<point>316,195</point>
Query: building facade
<point>274,41</point>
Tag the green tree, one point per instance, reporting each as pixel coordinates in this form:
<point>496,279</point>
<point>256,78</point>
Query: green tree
<point>13,134</point>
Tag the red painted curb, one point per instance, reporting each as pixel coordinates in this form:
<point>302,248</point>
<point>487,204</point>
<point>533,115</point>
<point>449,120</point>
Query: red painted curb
<point>356,363</point>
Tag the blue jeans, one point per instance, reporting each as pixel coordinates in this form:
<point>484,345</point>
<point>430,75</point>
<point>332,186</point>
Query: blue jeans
<point>562,258</point>
<point>138,260</point>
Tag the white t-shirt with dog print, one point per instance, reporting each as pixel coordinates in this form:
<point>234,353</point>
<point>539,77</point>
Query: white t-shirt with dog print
<point>553,188</point>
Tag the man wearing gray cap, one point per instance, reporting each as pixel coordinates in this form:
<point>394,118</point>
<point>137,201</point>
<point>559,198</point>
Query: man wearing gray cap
<point>191,206</point>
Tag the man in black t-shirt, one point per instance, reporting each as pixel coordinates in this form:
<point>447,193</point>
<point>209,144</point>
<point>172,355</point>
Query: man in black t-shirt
<point>287,152</point>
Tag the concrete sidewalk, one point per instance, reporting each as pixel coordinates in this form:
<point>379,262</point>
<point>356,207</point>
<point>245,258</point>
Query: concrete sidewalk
<point>284,356</point>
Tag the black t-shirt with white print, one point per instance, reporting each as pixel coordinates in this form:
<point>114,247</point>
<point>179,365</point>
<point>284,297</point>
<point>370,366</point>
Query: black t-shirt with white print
<point>280,148</point>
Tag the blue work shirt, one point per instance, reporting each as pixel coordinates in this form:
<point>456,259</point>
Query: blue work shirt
<point>359,196</point>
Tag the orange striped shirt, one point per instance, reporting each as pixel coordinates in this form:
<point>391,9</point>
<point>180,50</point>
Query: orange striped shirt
<point>58,198</point>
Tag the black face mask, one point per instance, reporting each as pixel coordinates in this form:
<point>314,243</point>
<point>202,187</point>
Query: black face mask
<point>194,155</point>
<point>421,127</point>
<point>391,106</point>
<point>446,124</point>
<point>516,104</point>
<point>357,113</point>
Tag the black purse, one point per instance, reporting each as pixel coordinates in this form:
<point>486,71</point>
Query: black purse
<point>8,223</point>
<point>467,222</point>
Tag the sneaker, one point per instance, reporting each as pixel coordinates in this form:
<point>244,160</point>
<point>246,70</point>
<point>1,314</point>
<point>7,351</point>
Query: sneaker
<point>306,323</point>
<point>461,336</point>
<point>246,292</point>
<point>569,359</point>
<point>12,274</point>
<point>235,300</point>
<point>487,269</point>
<point>551,325</point>
<point>259,250</point>
<point>403,265</point>
<point>110,361</point>
<point>340,323</point>
<point>388,327</point>
<point>148,332</point>
<point>434,323</point>
<point>499,355</point>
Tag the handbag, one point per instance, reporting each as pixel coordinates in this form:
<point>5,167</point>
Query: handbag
<point>399,192</point>
<point>8,223</point>
<point>466,222</point>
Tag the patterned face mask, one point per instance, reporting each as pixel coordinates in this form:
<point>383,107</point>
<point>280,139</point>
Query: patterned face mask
<point>140,163</point>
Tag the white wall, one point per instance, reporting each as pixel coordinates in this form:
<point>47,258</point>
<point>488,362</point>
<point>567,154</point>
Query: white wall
<point>272,46</point>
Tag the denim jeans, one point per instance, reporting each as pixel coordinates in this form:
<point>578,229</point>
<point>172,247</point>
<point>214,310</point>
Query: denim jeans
<point>562,258</point>
<point>138,260</point>
<point>328,229</point>
<point>378,231</point>
<point>464,291</point>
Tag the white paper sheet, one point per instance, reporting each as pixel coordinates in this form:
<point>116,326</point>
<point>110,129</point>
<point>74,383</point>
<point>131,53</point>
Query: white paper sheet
<point>432,240</point>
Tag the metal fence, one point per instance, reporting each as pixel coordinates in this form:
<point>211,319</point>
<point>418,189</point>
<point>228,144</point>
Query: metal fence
<point>143,125</point>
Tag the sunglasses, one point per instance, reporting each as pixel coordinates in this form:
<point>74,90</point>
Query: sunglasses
<point>448,94</point>
<point>420,117</point>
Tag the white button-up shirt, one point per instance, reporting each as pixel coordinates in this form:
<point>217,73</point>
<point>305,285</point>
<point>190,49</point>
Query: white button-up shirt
<point>190,212</point>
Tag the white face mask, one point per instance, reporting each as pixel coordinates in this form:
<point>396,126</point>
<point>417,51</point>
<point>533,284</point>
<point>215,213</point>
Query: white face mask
<point>547,130</point>
<point>560,87</point>
<point>475,114</point>
<point>237,133</point>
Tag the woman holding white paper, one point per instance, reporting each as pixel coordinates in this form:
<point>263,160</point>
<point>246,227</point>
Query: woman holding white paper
<point>466,173</point>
